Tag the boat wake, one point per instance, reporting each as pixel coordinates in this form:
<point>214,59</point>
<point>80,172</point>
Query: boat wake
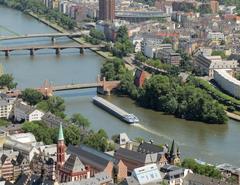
<point>138,125</point>
<point>150,130</point>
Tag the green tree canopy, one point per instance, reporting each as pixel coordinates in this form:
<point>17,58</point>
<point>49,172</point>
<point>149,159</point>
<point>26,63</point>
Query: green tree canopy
<point>80,120</point>
<point>32,96</point>
<point>98,140</point>
<point>209,171</point>
<point>7,80</point>
<point>72,135</point>
<point>53,104</point>
<point>123,45</point>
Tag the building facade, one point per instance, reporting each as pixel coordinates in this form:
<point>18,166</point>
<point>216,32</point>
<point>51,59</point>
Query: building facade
<point>107,10</point>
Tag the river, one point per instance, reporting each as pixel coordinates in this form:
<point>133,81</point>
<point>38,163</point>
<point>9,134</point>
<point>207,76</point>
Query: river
<point>211,143</point>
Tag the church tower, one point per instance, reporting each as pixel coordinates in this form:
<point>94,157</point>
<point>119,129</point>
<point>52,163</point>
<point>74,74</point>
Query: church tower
<point>174,156</point>
<point>60,148</point>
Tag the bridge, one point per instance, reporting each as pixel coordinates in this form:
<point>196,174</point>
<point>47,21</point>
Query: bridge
<point>103,87</point>
<point>57,48</point>
<point>149,67</point>
<point>51,35</point>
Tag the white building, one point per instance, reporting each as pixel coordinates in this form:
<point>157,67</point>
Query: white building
<point>148,174</point>
<point>151,48</point>
<point>215,36</point>
<point>24,112</point>
<point>27,138</point>
<point>227,82</point>
<point>209,63</point>
<point>137,42</point>
<point>6,105</point>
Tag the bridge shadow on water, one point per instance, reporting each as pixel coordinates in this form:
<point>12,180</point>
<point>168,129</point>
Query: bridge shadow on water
<point>76,93</point>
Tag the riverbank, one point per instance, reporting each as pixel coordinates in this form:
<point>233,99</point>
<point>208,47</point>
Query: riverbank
<point>104,54</point>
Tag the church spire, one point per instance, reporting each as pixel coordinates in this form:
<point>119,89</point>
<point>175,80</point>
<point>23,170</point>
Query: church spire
<point>60,148</point>
<point>60,133</point>
<point>172,150</point>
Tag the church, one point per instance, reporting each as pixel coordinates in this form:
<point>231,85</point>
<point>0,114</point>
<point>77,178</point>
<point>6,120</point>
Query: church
<point>71,169</point>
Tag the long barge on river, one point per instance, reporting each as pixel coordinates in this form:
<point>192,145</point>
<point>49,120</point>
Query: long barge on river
<point>114,110</point>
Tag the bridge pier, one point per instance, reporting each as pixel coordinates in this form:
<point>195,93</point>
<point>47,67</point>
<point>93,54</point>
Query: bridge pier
<point>6,53</point>
<point>32,52</point>
<point>81,51</point>
<point>57,51</point>
<point>53,39</point>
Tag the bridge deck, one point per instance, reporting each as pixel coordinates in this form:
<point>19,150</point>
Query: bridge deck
<point>41,35</point>
<point>76,86</point>
<point>49,47</point>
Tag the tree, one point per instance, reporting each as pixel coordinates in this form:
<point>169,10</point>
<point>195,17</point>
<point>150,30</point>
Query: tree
<point>113,69</point>
<point>97,34</point>
<point>40,131</point>
<point>7,80</point>
<point>123,45</point>
<point>98,140</point>
<point>207,170</point>
<point>54,104</point>
<point>167,40</point>
<point>72,135</point>
<point>219,53</point>
<point>80,121</point>
<point>32,96</point>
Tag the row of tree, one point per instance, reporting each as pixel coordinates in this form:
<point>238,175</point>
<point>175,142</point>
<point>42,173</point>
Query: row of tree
<point>73,135</point>
<point>206,170</point>
<point>39,8</point>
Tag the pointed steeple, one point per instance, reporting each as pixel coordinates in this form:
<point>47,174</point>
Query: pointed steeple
<point>172,150</point>
<point>178,152</point>
<point>60,133</point>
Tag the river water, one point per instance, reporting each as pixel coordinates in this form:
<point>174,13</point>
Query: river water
<point>211,143</point>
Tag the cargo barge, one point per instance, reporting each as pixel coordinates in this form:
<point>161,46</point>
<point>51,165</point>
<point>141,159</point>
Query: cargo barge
<point>114,110</point>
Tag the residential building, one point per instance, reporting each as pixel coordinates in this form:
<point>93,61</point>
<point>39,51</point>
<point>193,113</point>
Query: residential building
<point>218,36</point>
<point>44,165</point>
<point>24,112</point>
<point>173,175</point>
<point>169,56</point>
<point>207,64</point>
<point>6,106</point>
<point>151,48</point>
<point>27,138</point>
<point>13,164</point>
<point>148,174</point>
<point>28,150</point>
<point>106,10</point>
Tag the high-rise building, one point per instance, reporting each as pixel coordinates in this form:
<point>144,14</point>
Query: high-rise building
<point>106,10</point>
